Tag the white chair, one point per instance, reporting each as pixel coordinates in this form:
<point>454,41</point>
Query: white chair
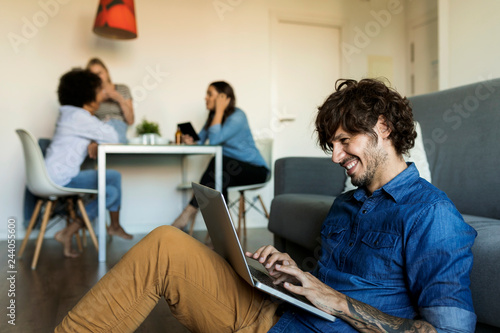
<point>40,184</point>
<point>265,147</point>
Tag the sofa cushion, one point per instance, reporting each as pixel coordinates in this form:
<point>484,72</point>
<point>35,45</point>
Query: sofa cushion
<point>461,132</point>
<point>309,209</point>
<point>485,285</point>
<point>418,156</point>
<point>308,175</point>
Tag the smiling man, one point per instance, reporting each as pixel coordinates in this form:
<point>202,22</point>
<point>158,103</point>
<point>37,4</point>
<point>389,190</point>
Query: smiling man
<point>396,254</point>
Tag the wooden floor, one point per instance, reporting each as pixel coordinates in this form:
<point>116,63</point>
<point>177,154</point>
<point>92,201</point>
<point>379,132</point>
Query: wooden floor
<point>44,296</point>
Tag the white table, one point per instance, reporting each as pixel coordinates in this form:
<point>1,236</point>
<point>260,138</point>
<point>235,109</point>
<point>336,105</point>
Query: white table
<point>128,149</point>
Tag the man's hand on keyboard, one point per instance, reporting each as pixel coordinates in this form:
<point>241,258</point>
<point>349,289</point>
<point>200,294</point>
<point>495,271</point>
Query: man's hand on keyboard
<point>283,269</point>
<point>269,257</point>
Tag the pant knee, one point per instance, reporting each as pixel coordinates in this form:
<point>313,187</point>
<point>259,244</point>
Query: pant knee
<point>166,233</point>
<point>113,178</point>
<point>170,240</point>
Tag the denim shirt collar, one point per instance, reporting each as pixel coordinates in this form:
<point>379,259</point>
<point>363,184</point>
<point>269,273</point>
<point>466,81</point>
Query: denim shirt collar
<point>396,188</point>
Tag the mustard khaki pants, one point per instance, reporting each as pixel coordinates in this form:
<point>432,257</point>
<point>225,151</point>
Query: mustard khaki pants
<point>203,291</point>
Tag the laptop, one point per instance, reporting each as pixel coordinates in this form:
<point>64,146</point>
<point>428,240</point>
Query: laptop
<point>227,244</point>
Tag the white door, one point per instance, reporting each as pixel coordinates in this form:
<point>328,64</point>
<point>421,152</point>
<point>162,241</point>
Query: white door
<point>424,57</point>
<point>305,66</point>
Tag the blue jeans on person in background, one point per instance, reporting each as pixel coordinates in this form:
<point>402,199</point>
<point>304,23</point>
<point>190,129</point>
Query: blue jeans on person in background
<point>120,127</point>
<point>88,179</point>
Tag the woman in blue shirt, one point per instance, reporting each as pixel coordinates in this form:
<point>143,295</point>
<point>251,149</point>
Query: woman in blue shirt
<point>226,125</point>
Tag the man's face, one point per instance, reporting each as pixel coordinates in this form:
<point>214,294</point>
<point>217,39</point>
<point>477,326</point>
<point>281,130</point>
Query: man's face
<point>99,97</point>
<point>360,154</point>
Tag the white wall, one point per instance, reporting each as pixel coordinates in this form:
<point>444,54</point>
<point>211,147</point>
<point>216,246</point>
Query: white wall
<point>469,47</point>
<point>419,15</point>
<point>187,44</point>
<point>375,28</point>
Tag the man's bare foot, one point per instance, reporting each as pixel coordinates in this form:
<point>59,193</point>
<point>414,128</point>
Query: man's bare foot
<point>65,240</point>
<point>118,231</point>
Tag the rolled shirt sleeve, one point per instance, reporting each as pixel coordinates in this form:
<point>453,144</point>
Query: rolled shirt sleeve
<point>439,260</point>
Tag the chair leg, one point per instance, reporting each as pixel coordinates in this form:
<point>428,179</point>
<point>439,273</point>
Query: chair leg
<point>34,216</point>
<point>78,241</point>
<point>263,206</point>
<point>241,212</point>
<point>87,223</point>
<point>39,242</point>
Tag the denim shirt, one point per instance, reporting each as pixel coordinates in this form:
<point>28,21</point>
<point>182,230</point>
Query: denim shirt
<point>404,250</point>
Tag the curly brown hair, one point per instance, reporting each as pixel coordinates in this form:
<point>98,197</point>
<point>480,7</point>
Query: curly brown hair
<point>357,106</point>
<point>78,87</point>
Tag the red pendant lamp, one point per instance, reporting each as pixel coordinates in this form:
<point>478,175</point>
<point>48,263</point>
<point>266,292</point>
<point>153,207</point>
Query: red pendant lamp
<point>116,19</point>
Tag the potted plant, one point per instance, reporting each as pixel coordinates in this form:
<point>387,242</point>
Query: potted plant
<point>149,131</point>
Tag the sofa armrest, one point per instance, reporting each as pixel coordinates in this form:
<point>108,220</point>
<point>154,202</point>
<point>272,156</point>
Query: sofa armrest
<point>296,220</point>
<point>308,175</point>
<point>486,269</point>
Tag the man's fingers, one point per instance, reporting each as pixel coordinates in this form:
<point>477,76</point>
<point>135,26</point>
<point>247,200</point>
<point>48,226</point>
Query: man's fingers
<point>259,252</point>
<point>293,288</point>
<point>266,253</point>
<point>280,278</point>
<point>293,271</point>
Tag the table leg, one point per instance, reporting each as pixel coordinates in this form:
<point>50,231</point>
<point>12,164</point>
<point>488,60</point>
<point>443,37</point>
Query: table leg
<point>101,197</point>
<point>218,169</point>
<point>184,180</point>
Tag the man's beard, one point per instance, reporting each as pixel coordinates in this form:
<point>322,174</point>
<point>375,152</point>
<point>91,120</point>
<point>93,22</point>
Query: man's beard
<point>374,158</point>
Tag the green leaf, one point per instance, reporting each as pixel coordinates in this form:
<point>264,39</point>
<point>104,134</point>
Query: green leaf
<point>146,127</point>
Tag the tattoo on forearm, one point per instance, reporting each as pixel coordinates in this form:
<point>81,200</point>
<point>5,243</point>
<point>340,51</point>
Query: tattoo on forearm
<point>327,308</point>
<point>366,318</point>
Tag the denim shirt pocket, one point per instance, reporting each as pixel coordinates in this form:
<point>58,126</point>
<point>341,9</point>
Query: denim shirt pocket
<point>376,254</point>
<point>332,236</point>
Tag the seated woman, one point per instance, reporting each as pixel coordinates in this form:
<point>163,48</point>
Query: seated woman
<point>78,132</point>
<point>116,109</point>
<point>226,125</point>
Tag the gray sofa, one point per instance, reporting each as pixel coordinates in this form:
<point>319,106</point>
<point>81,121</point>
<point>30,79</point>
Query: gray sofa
<point>461,135</point>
